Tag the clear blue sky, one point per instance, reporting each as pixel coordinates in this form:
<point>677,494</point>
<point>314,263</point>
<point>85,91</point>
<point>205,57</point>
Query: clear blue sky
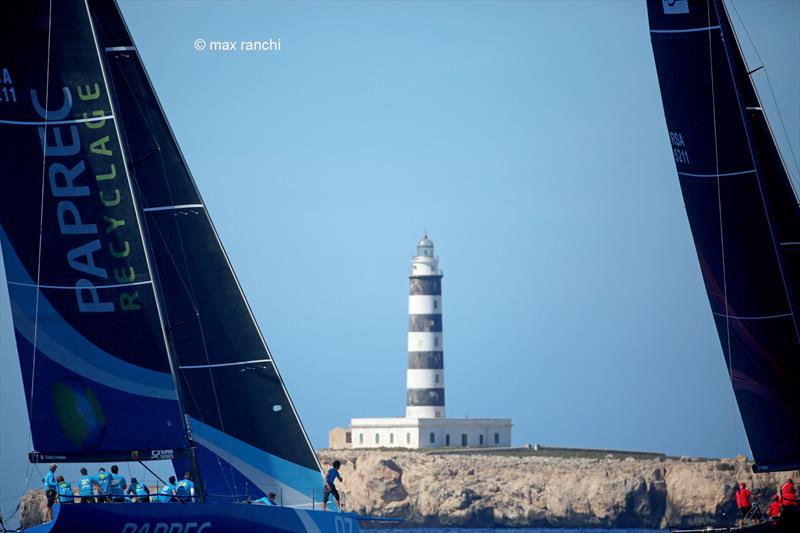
<point>527,138</point>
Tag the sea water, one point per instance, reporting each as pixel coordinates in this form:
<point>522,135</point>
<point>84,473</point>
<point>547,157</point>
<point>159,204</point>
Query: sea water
<point>508,530</point>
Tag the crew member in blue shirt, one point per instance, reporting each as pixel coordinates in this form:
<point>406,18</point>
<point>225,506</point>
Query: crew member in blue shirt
<point>167,492</point>
<point>86,487</point>
<point>330,488</point>
<point>139,490</point>
<point>103,482</point>
<point>65,494</point>
<point>118,485</point>
<point>185,488</point>
<point>268,500</point>
<point>50,490</point>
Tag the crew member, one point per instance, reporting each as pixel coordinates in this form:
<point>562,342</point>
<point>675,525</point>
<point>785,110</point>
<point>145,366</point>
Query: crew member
<point>788,494</point>
<point>118,485</point>
<point>50,490</point>
<point>86,487</point>
<point>743,502</point>
<point>185,488</point>
<point>139,490</point>
<point>330,487</point>
<point>167,492</point>
<point>65,494</point>
<point>774,510</point>
<point>268,500</point>
<point>103,482</point>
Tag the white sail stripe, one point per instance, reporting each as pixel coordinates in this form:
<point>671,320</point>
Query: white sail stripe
<point>755,108</point>
<point>218,365</point>
<point>765,317</point>
<point>55,122</point>
<point>171,207</point>
<point>717,175</point>
<point>73,287</point>
<point>688,30</point>
<point>120,49</point>
<point>790,243</point>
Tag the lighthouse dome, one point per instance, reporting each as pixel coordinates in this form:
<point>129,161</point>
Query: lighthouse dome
<point>425,246</point>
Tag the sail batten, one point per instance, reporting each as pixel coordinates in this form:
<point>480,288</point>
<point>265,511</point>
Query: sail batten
<point>741,208</point>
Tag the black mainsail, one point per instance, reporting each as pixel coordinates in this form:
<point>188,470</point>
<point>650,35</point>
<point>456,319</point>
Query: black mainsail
<point>246,430</point>
<point>743,213</point>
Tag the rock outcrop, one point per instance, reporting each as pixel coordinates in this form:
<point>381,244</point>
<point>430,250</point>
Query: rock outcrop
<point>535,491</point>
<point>32,509</point>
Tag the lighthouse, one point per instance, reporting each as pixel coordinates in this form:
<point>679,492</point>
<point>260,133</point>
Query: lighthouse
<point>425,375</point>
<point>424,425</point>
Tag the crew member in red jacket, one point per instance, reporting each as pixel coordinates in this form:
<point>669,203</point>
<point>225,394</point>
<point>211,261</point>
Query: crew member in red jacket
<point>788,494</point>
<point>774,510</point>
<point>743,502</point>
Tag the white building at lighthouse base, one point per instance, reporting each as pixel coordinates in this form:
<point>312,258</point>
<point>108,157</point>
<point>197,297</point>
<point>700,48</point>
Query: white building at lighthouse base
<point>423,433</point>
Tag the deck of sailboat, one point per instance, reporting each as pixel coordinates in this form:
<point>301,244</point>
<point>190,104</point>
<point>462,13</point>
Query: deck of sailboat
<point>193,518</point>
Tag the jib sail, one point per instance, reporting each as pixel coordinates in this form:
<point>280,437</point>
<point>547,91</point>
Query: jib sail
<point>743,214</point>
<point>91,346</point>
<point>248,435</point>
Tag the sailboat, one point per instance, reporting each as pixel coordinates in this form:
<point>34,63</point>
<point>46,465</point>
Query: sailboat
<point>744,216</point>
<point>134,338</point>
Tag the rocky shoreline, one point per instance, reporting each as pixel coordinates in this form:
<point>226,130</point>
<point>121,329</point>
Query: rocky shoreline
<point>484,490</point>
<point>527,490</point>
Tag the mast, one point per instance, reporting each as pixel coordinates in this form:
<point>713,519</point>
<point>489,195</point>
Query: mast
<point>168,344</point>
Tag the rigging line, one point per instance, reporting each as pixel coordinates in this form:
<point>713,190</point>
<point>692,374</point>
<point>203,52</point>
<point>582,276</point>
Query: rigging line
<point>728,355</point>
<point>771,90</point>
<point>41,218</point>
<point>189,288</point>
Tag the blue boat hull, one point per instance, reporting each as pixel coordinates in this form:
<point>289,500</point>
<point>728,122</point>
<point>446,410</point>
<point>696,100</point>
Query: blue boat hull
<point>193,518</point>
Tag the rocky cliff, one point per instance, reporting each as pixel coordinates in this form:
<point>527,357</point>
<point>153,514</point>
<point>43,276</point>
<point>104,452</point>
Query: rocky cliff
<point>539,491</point>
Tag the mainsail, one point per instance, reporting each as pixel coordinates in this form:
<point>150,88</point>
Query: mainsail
<point>91,345</point>
<point>743,213</point>
<point>244,425</point>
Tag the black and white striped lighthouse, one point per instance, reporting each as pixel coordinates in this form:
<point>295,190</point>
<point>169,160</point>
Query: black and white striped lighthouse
<point>425,378</point>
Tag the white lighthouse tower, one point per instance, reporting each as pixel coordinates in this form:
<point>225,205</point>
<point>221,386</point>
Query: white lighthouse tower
<point>425,377</point>
<point>424,425</point>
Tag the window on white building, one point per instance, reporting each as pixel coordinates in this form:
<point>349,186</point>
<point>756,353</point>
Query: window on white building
<point>447,440</point>
<point>436,377</point>
<point>408,438</point>
<point>361,438</point>
<point>463,439</point>
<point>377,438</point>
<point>436,304</point>
<point>436,341</point>
<point>497,438</point>
<point>391,438</point>
<point>480,440</point>
<point>433,438</point>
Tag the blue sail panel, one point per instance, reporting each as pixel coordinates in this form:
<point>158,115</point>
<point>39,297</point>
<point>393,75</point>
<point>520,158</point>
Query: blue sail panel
<point>89,336</point>
<point>742,211</point>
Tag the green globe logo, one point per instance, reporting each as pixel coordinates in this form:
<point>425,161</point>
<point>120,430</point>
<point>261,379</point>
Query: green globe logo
<point>79,413</point>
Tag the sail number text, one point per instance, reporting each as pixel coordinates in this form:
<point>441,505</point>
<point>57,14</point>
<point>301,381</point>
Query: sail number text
<point>7,92</point>
<point>679,151</point>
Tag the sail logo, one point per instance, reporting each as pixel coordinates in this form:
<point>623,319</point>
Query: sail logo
<point>675,7</point>
<point>68,169</point>
<point>165,527</point>
<point>158,455</point>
